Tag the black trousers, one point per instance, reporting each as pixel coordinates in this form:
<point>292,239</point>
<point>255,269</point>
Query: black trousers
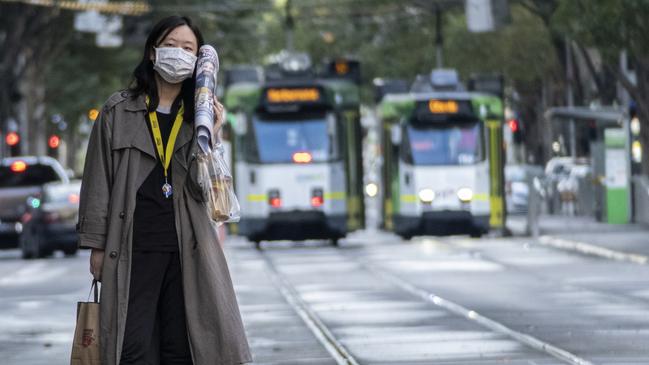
<point>156,331</point>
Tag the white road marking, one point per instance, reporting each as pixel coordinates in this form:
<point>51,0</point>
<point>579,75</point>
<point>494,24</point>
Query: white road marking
<point>33,273</point>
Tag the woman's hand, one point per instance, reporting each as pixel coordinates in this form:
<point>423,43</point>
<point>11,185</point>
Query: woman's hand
<point>219,115</point>
<point>96,263</point>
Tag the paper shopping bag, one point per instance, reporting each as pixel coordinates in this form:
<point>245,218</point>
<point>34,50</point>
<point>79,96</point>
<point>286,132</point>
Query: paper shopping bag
<point>85,346</point>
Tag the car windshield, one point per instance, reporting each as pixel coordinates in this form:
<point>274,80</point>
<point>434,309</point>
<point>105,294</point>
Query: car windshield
<point>32,175</point>
<point>277,140</point>
<point>448,144</point>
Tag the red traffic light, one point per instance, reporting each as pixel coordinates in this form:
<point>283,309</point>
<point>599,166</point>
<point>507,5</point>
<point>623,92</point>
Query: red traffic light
<point>12,139</point>
<point>54,141</point>
<point>513,125</point>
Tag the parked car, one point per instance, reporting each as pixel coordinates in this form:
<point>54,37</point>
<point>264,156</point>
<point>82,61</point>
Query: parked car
<point>20,178</point>
<point>49,221</point>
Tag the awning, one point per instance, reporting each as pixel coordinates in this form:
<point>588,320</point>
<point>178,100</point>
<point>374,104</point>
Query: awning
<point>603,116</point>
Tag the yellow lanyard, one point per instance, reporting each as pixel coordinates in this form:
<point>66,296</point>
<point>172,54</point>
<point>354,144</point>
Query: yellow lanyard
<point>165,157</point>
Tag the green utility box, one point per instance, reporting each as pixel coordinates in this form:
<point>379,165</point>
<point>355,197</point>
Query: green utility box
<point>617,176</point>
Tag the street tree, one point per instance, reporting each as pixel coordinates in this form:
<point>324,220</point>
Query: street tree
<point>30,37</point>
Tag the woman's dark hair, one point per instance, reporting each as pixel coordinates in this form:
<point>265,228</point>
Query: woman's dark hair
<point>144,75</point>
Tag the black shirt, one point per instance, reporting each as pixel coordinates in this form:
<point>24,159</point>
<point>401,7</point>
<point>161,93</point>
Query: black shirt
<point>154,226</point>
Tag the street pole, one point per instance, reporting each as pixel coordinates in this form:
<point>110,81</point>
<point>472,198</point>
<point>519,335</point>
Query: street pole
<point>533,205</point>
<point>439,37</point>
<point>570,97</point>
<point>289,23</point>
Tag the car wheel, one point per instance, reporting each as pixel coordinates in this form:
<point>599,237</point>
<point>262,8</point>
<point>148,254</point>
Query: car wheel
<point>476,234</point>
<point>406,236</point>
<point>70,251</point>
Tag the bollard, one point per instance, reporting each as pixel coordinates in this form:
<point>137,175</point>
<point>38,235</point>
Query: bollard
<point>533,205</point>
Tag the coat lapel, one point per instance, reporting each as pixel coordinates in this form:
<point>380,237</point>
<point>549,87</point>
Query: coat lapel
<point>141,137</point>
<point>142,140</point>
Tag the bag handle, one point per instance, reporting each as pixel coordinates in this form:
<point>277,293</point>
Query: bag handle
<point>95,287</point>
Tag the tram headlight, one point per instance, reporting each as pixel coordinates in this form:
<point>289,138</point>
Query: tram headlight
<point>426,195</point>
<point>465,195</point>
<point>371,189</point>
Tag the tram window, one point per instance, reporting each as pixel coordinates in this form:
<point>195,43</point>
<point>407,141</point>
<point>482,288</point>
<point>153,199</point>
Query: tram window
<point>457,144</point>
<point>278,138</point>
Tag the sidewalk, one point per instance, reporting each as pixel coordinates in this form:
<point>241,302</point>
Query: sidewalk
<point>627,242</point>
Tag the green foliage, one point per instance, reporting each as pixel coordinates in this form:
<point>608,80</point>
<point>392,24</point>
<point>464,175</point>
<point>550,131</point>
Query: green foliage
<point>609,25</point>
<point>84,76</point>
<point>522,51</point>
<point>392,39</point>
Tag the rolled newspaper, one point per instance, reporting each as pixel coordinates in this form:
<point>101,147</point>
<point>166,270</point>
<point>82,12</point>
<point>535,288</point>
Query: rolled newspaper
<point>207,68</point>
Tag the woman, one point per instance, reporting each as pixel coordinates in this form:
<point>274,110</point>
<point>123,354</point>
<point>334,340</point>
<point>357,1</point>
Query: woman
<point>167,297</point>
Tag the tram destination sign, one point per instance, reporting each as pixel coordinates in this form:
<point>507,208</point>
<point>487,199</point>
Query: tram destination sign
<point>285,95</point>
<point>437,110</point>
<point>293,98</point>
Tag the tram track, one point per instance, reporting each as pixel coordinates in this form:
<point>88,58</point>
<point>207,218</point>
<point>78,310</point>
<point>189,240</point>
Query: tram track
<point>335,348</point>
<point>343,356</point>
<point>476,317</point>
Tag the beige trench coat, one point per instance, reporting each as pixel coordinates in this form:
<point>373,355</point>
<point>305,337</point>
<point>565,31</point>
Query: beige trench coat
<point>120,156</point>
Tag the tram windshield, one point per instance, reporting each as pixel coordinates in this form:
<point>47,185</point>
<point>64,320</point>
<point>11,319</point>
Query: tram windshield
<point>278,139</point>
<point>447,144</point>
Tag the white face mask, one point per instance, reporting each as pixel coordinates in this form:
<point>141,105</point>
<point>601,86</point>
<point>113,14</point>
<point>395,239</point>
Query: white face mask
<point>174,64</point>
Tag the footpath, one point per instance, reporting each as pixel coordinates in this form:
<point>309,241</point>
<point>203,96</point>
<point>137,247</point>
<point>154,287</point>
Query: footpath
<point>624,242</point>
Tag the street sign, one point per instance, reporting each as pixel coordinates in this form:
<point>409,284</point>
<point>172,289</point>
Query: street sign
<point>478,16</point>
<point>106,27</point>
<point>486,15</point>
<point>108,40</point>
<point>90,21</point>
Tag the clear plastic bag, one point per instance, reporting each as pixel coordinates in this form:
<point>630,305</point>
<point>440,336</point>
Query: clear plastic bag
<point>218,188</point>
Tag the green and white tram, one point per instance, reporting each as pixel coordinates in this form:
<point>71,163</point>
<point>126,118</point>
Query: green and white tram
<point>442,168</point>
<point>296,155</point>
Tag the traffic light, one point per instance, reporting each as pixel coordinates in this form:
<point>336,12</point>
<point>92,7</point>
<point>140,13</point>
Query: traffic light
<point>53,143</point>
<point>517,130</point>
<point>13,141</point>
